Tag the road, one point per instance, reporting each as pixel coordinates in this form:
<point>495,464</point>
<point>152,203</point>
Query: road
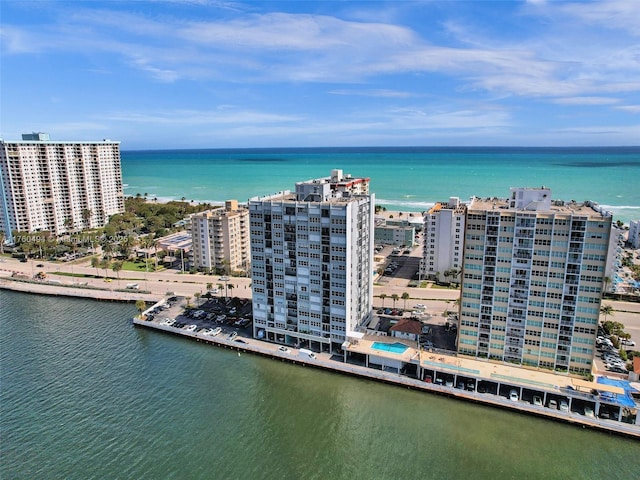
<point>436,299</point>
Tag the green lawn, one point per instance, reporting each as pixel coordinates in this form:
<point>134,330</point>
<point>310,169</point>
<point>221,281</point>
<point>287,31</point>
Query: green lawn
<point>140,267</point>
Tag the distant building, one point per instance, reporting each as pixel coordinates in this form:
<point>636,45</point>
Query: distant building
<point>614,257</point>
<point>443,239</point>
<point>394,235</point>
<point>58,187</point>
<point>221,238</point>
<point>533,274</point>
<point>311,261</point>
<point>634,234</point>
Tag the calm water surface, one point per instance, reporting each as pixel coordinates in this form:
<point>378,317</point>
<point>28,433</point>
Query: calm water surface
<point>85,395</point>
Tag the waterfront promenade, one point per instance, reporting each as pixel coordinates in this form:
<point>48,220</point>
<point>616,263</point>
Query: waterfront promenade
<point>328,362</point>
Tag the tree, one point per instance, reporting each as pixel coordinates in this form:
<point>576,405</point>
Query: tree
<point>68,223</point>
<point>382,297</point>
<point>231,286</point>
<point>105,265</point>
<point>116,267</point>
<point>3,237</point>
<point>197,295</point>
<point>606,281</point>
<point>86,217</point>
<point>606,310</point>
<point>95,263</point>
<point>209,286</point>
<point>141,305</point>
<point>394,297</point>
<point>220,287</point>
<point>188,299</point>
<point>405,297</point>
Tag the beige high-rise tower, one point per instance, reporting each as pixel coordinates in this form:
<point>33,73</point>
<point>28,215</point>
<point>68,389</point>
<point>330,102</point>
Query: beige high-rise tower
<point>532,280</point>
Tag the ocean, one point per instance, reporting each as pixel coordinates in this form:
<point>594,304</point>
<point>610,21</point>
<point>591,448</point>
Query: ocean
<point>85,395</point>
<point>403,179</point>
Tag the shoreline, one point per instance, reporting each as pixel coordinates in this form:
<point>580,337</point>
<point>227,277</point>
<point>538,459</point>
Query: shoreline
<point>266,349</point>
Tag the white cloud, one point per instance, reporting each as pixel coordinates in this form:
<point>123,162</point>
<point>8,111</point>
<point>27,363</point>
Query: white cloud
<point>586,101</point>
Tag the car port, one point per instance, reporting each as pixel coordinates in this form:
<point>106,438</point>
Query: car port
<point>487,386</point>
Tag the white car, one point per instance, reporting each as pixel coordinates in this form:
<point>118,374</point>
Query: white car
<point>190,328</point>
<point>232,335</point>
<point>564,406</point>
<point>215,331</point>
<point>419,306</point>
<point>284,349</point>
<point>513,396</point>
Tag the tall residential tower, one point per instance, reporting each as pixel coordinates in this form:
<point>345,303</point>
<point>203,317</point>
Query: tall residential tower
<point>58,186</point>
<point>532,280</point>
<point>311,251</point>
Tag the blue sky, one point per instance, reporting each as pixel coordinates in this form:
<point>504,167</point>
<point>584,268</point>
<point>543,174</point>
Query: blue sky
<point>215,74</point>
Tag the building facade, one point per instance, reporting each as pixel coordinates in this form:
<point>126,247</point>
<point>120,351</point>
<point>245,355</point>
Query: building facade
<point>532,282</point>
<point>221,239</point>
<point>443,239</point>
<point>311,258</point>
<point>633,238</point>
<point>58,187</point>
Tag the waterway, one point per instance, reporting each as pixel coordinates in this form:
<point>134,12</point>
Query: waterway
<point>85,395</point>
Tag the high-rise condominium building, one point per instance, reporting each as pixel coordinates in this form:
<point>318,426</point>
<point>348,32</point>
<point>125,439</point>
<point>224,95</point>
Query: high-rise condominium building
<point>221,238</point>
<point>443,240</point>
<point>532,280</point>
<point>58,187</point>
<point>311,270</point>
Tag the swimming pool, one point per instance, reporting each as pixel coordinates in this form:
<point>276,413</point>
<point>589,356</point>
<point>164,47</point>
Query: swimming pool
<point>389,347</point>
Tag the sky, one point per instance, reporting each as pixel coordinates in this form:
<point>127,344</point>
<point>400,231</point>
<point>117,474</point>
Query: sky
<point>160,74</point>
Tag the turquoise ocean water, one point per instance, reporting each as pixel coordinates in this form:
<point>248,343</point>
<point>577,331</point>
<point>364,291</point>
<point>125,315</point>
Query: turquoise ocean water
<point>85,395</point>
<point>409,179</point>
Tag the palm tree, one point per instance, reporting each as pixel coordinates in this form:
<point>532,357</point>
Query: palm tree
<point>231,286</point>
<point>86,217</point>
<point>209,286</point>
<point>382,297</point>
<point>3,237</point>
<point>220,287</point>
<point>187,299</point>
<point>95,263</point>
<point>606,281</point>
<point>606,310</point>
<point>394,297</point>
<point>141,305</point>
<point>197,295</point>
<point>405,297</point>
<point>105,264</point>
<point>68,223</point>
<point>116,267</point>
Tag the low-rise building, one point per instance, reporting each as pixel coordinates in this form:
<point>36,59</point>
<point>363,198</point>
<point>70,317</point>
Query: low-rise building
<point>406,329</point>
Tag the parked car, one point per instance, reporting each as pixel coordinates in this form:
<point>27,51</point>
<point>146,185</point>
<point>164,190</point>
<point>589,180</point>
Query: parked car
<point>553,405</point>
<point>284,349</point>
<point>564,406</point>
<point>513,396</point>
<point>232,335</point>
<point>537,400</point>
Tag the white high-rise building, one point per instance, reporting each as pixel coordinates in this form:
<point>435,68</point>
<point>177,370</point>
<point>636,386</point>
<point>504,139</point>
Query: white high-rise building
<point>532,280</point>
<point>634,234</point>
<point>58,187</point>
<point>443,240</point>
<point>221,238</point>
<point>311,258</point>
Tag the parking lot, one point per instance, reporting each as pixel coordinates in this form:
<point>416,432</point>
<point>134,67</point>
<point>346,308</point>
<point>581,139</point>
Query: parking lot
<point>224,316</point>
